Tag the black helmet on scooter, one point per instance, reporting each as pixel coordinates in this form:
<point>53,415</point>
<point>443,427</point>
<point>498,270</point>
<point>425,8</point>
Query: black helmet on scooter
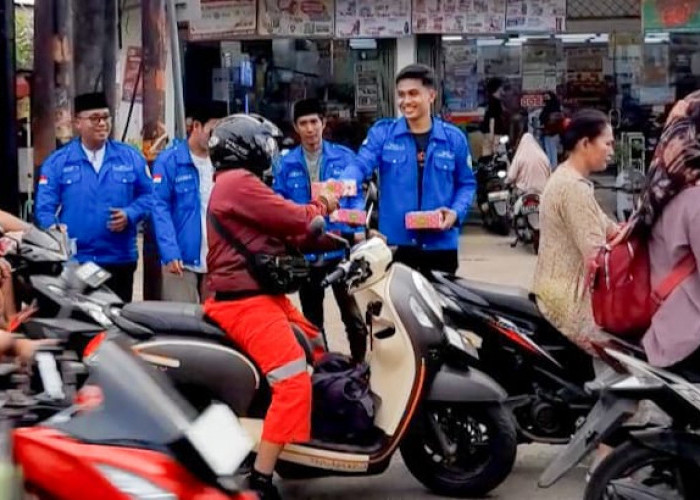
<point>245,141</point>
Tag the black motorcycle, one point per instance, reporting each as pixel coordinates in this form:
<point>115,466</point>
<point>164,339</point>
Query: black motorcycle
<point>492,194</point>
<point>654,458</point>
<point>543,372</point>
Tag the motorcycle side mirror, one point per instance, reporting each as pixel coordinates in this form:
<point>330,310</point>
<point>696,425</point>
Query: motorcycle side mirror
<point>317,226</point>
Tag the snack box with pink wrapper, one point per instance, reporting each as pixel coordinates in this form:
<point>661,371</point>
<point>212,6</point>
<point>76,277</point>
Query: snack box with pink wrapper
<point>339,189</point>
<point>350,217</point>
<point>431,219</point>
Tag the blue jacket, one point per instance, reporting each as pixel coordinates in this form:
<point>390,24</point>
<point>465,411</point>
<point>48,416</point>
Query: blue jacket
<point>292,181</point>
<point>72,193</point>
<point>448,180</point>
<point>177,213</point>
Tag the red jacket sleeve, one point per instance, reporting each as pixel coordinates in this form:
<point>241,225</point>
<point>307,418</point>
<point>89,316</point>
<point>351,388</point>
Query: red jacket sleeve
<point>246,198</point>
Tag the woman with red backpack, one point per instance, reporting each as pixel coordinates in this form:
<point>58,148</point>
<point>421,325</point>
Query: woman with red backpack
<point>573,228</point>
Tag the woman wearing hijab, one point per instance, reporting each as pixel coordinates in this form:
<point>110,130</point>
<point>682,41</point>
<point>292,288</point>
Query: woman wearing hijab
<point>669,214</point>
<point>529,170</point>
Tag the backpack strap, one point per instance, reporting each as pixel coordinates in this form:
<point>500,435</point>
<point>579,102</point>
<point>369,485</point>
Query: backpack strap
<point>230,239</point>
<point>680,272</point>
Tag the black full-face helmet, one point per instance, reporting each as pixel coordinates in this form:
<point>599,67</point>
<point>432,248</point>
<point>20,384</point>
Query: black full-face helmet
<point>245,141</point>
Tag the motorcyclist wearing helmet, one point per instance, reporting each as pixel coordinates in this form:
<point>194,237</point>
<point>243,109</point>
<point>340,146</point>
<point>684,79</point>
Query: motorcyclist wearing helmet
<point>243,207</point>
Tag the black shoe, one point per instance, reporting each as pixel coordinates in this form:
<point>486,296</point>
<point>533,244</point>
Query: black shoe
<point>263,486</point>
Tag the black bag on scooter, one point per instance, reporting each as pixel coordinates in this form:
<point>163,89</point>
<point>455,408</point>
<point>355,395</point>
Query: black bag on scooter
<point>343,408</point>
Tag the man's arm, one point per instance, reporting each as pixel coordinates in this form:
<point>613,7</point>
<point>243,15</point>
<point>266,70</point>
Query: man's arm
<point>143,202</point>
<point>367,158</point>
<point>465,184</point>
<point>48,194</point>
<point>9,222</point>
<point>258,205</point>
<point>162,211</point>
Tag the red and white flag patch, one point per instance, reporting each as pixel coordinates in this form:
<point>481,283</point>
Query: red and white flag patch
<point>43,180</point>
<point>157,179</point>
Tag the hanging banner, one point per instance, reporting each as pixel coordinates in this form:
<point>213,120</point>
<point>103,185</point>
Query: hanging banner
<point>372,18</point>
<point>132,67</point>
<point>461,77</point>
<point>671,15</point>
<point>305,18</point>
<point>221,19</point>
<point>536,16</point>
<point>459,16</point>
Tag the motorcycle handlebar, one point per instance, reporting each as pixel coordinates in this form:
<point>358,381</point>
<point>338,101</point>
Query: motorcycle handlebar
<point>340,273</point>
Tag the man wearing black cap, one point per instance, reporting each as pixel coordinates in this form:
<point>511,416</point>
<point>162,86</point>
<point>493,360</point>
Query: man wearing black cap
<point>100,190</point>
<point>317,160</point>
<point>183,178</point>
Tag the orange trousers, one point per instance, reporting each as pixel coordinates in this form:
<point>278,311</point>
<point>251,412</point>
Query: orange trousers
<point>260,325</point>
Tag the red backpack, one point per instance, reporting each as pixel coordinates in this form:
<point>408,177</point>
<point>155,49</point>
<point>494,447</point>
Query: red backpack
<point>620,280</point>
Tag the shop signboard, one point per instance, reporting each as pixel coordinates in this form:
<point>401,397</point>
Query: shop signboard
<point>459,16</point>
<point>536,16</point>
<point>671,15</point>
<point>296,18</point>
<point>372,18</point>
<point>221,19</point>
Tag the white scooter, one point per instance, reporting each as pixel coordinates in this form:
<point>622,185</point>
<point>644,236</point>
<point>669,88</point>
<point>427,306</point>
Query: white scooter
<point>449,421</point>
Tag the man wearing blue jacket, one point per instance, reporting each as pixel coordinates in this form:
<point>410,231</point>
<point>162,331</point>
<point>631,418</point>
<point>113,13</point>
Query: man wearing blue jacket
<point>183,178</point>
<point>316,160</point>
<point>100,189</point>
<point>424,164</point>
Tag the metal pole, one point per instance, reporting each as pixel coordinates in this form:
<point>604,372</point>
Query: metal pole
<point>180,128</point>
<point>9,187</point>
<point>153,30</point>
<point>43,125</point>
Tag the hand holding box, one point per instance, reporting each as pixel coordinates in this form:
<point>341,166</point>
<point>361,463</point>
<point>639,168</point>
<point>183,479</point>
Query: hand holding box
<point>431,219</point>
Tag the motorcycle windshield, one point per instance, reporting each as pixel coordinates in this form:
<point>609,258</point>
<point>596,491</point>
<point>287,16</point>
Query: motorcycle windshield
<point>138,407</point>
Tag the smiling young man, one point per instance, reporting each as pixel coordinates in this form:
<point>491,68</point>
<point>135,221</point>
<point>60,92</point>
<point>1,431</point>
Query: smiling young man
<point>424,165</point>
<point>317,160</point>
<point>100,190</point>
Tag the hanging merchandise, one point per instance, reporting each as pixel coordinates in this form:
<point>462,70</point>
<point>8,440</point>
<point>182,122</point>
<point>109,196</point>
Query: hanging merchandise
<point>291,18</point>
<point>372,18</point>
<point>221,19</point>
<point>536,16</point>
<point>459,16</point>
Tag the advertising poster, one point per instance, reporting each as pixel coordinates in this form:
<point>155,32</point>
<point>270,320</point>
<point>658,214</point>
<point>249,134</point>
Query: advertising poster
<point>461,77</point>
<point>459,16</point>
<point>540,66</point>
<point>132,67</point>
<point>302,18</point>
<point>366,86</point>
<point>223,19</point>
<point>372,18</point>
<point>536,16</point>
<point>671,15</point>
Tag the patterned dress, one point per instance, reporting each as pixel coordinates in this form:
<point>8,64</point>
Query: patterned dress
<point>573,228</point>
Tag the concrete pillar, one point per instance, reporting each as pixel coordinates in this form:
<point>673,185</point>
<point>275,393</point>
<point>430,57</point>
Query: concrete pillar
<point>405,51</point>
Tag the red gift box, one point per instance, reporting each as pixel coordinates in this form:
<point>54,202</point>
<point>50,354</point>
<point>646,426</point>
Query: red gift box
<point>350,217</point>
<point>424,220</point>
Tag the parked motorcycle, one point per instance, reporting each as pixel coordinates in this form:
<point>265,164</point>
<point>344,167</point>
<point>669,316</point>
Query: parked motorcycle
<point>128,434</point>
<point>542,371</point>
<point>525,215</point>
<point>651,462</point>
<point>492,195</point>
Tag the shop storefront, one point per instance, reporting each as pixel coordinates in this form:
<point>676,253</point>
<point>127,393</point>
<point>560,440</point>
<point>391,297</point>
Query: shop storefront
<point>629,58</point>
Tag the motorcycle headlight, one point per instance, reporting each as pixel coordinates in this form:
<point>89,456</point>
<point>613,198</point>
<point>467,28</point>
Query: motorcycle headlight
<point>134,486</point>
<point>501,174</point>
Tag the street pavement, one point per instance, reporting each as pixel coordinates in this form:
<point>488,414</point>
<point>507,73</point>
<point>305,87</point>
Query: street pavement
<point>482,257</point>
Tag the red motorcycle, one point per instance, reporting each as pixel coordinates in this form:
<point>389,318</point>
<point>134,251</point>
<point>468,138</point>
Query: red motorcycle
<point>128,435</point>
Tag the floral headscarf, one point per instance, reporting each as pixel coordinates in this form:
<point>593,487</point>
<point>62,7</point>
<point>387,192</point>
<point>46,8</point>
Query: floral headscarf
<point>676,163</point>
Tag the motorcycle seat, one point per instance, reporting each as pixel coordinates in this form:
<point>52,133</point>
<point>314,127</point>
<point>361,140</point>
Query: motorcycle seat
<point>507,298</point>
<point>176,318</point>
<point>171,318</point>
